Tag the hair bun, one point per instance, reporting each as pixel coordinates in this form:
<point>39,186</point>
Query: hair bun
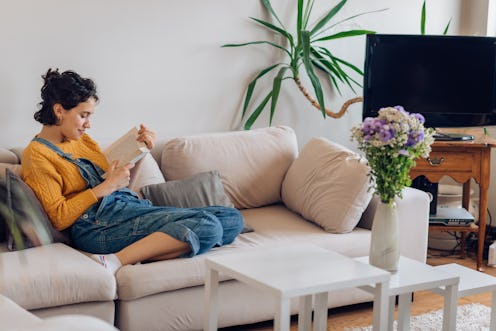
<point>50,74</point>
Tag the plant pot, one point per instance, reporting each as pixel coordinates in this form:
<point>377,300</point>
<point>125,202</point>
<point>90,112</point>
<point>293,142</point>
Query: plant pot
<point>384,241</point>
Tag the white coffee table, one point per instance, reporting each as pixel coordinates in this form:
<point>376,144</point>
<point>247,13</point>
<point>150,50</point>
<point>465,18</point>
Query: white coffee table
<point>415,276</point>
<point>298,271</point>
<point>471,282</point>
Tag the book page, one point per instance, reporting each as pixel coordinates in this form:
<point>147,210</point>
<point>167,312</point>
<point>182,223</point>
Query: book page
<point>126,149</point>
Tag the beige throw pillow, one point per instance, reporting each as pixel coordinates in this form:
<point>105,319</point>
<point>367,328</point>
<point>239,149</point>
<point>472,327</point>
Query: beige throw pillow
<point>328,185</point>
<point>252,163</point>
<point>145,172</point>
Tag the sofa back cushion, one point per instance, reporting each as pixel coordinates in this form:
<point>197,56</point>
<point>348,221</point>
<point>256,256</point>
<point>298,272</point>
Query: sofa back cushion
<point>7,156</point>
<point>252,164</point>
<point>327,184</point>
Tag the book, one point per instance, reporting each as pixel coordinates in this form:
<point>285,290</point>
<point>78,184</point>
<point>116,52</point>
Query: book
<point>126,149</point>
<point>451,216</point>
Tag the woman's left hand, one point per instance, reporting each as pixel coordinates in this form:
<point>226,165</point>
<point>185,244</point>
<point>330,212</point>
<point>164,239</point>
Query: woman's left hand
<point>146,136</point>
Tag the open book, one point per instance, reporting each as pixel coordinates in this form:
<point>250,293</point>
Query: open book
<point>126,149</point>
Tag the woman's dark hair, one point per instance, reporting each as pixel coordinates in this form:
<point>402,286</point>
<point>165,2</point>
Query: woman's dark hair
<point>67,88</point>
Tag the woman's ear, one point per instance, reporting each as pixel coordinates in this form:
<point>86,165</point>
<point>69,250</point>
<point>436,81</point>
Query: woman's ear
<point>58,109</point>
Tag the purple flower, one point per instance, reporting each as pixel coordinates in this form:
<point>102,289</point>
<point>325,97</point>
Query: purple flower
<point>401,109</point>
<point>420,135</point>
<point>368,126</point>
<point>378,123</point>
<point>419,117</point>
<point>414,137</point>
<point>403,152</point>
<point>386,133</point>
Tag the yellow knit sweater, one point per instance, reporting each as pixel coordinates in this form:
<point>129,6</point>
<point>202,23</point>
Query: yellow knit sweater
<point>57,182</point>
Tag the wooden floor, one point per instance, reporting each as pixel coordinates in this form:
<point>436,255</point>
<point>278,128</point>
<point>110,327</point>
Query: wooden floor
<point>361,315</point>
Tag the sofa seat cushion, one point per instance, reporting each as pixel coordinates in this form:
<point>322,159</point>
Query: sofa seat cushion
<point>252,164</point>
<point>53,275</point>
<point>274,225</point>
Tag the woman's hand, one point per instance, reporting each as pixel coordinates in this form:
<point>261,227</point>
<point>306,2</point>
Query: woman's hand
<point>146,136</point>
<point>117,177</point>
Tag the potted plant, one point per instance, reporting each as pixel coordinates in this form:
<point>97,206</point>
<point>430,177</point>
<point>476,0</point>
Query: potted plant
<point>303,50</point>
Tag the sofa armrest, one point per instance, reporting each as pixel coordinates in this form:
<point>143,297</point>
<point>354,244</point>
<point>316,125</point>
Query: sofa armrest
<point>413,214</point>
<point>53,275</point>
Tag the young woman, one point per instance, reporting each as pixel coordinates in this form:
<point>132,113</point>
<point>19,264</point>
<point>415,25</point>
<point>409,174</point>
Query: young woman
<point>63,166</point>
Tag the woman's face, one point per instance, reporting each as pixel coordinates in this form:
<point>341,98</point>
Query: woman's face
<point>74,122</point>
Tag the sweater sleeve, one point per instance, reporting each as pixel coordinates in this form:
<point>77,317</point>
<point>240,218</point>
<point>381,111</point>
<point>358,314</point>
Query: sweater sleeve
<point>41,170</point>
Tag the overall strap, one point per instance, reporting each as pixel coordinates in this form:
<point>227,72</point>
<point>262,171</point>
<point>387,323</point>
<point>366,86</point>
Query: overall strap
<point>90,172</point>
<point>54,148</point>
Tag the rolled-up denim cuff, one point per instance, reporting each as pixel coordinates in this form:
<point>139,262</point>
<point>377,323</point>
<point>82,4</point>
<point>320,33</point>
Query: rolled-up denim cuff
<point>184,234</point>
<point>194,243</point>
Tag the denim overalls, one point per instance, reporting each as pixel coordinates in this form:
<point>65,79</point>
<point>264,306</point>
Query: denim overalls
<point>121,218</point>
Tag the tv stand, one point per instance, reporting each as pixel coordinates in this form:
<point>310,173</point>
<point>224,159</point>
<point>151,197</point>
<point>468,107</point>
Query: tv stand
<point>440,136</point>
<point>462,161</point>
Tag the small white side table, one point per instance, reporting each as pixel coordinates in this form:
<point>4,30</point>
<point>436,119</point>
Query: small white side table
<point>415,276</point>
<point>471,282</point>
<point>297,271</point>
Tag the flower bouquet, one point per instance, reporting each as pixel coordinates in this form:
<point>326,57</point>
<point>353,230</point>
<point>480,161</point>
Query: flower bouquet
<point>392,142</point>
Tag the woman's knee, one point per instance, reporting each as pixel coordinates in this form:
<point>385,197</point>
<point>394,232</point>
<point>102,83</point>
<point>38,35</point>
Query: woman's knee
<point>209,232</point>
<point>232,225</point>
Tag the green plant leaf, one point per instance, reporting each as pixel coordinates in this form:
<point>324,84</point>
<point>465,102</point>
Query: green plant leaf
<point>269,8</point>
<point>277,29</point>
<point>320,24</point>
<point>253,117</point>
<point>305,40</point>
<point>345,76</point>
<point>258,43</point>
<point>352,17</point>
<point>276,88</point>
<point>251,87</point>
<point>12,226</point>
<point>329,74</point>
<point>306,17</point>
<point>299,16</point>
<point>422,19</point>
<point>349,65</point>
<point>327,63</point>
<point>332,64</point>
<point>345,34</point>
<point>447,27</point>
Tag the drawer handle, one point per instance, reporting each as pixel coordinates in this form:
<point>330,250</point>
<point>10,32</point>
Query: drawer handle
<point>435,162</point>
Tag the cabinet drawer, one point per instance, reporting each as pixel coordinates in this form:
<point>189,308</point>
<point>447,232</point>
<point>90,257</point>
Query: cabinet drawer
<point>443,161</point>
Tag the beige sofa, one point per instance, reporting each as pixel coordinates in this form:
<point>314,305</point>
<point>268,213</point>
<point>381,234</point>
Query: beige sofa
<point>13,317</point>
<point>316,193</point>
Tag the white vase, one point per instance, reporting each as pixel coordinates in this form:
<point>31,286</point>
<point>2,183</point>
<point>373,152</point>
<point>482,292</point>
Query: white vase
<point>384,241</point>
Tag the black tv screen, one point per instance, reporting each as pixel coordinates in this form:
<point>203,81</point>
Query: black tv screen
<point>451,80</point>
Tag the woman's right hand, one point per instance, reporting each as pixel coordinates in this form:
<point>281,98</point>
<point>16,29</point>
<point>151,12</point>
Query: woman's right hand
<point>117,177</point>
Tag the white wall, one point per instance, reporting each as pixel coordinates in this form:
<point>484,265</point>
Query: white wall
<point>160,62</point>
<point>491,18</point>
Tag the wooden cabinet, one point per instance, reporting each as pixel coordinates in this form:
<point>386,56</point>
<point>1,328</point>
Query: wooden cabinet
<point>462,160</point>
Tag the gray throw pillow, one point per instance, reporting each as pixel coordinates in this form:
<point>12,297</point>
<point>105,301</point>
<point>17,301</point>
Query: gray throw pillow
<point>25,211</point>
<point>200,190</point>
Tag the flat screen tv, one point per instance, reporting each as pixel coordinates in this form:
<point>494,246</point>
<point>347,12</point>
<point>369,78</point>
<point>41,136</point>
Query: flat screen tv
<point>450,80</point>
